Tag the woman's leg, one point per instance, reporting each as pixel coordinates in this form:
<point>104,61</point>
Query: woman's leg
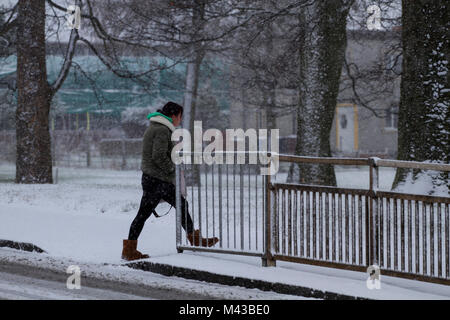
<point>193,236</point>
<point>150,199</point>
<point>169,196</point>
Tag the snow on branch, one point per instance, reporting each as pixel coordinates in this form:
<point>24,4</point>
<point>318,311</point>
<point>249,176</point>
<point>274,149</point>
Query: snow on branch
<point>64,72</point>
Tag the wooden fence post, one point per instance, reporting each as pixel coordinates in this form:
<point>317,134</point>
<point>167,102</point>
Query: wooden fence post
<point>267,259</point>
<point>374,234</point>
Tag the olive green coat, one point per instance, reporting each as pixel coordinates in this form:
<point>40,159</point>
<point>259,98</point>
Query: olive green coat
<point>156,150</point>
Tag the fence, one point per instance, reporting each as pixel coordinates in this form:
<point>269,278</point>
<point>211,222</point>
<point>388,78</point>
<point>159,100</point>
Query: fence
<point>406,235</point>
<point>226,201</point>
<point>105,149</point>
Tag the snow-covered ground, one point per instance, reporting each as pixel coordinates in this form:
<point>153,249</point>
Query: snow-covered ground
<point>86,215</point>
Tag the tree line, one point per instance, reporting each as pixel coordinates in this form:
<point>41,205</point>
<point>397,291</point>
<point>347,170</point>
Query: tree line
<point>298,44</point>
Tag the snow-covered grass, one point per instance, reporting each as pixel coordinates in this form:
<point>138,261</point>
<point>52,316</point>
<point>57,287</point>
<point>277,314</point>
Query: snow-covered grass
<point>92,199</point>
<point>422,184</point>
<point>97,206</point>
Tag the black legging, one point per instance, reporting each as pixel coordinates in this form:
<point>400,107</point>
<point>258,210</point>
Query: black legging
<point>155,190</point>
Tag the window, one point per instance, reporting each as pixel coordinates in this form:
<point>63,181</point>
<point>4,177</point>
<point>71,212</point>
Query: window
<point>392,118</point>
<point>343,121</point>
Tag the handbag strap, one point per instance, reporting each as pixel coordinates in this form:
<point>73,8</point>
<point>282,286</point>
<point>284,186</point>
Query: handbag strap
<point>160,216</point>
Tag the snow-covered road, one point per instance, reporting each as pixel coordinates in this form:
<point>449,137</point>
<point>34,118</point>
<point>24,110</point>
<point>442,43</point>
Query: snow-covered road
<point>25,275</point>
<point>27,281</point>
<point>15,286</point>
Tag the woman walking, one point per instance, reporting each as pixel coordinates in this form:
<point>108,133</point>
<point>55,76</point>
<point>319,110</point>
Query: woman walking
<point>158,176</point>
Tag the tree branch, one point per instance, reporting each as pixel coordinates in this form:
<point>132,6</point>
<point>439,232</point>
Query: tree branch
<point>353,85</point>
<point>65,69</point>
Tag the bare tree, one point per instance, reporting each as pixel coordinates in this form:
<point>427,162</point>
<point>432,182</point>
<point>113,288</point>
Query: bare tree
<point>156,29</point>
<point>264,59</point>
<point>35,93</point>
<point>424,117</point>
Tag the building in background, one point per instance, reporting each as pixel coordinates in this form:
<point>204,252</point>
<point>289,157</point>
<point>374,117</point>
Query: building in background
<point>365,121</point>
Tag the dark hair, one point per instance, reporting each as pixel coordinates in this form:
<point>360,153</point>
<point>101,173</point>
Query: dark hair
<point>171,109</point>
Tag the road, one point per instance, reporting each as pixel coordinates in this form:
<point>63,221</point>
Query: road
<point>18,282</point>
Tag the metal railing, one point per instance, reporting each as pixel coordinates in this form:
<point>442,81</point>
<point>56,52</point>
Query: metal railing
<point>321,224</point>
<point>225,201</point>
<point>406,235</point>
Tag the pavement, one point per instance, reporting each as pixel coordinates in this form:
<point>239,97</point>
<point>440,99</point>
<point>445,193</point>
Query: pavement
<point>290,278</point>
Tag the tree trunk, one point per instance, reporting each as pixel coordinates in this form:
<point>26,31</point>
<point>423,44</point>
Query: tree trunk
<point>33,160</point>
<point>269,103</point>
<point>192,79</point>
<point>190,100</point>
<point>270,83</point>
<point>193,66</point>
<point>424,123</point>
<point>322,53</point>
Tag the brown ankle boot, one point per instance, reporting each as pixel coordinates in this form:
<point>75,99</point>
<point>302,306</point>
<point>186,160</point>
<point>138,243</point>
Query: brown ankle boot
<point>196,239</point>
<point>129,251</point>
